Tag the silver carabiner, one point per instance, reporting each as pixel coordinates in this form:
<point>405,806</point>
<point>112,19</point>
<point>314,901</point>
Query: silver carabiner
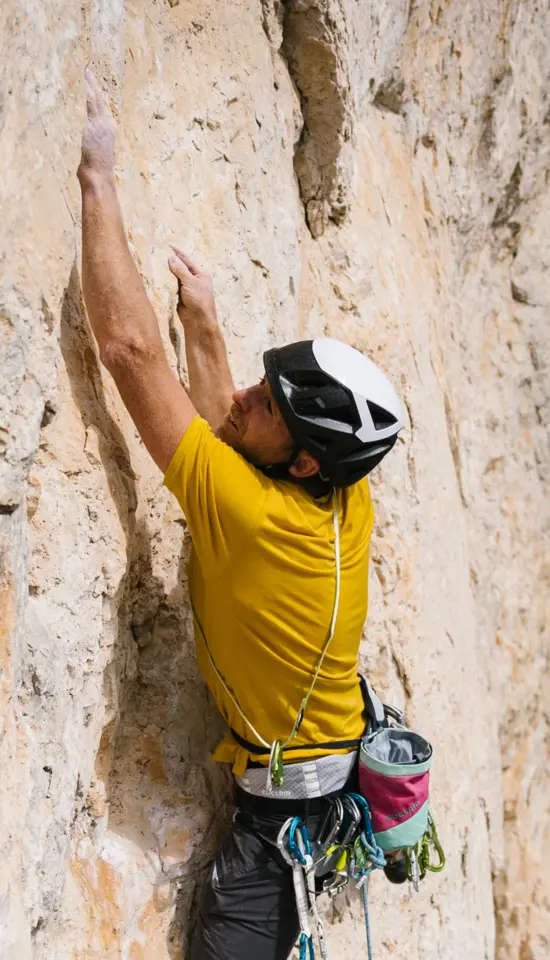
<point>415,870</point>
<point>356,820</point>
<point>324,844</point>
<point>335,886</point>
<point>337,825</point>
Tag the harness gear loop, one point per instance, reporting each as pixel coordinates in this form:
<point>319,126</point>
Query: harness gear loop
<point>276,764</point>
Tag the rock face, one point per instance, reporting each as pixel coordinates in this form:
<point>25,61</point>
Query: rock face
<point>377,171</point>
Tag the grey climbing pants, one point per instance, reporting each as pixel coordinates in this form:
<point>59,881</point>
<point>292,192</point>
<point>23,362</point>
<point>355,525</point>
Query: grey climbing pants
<point>247,908</point>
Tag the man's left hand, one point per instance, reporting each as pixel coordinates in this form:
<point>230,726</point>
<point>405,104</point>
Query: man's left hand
<point>98,138</point>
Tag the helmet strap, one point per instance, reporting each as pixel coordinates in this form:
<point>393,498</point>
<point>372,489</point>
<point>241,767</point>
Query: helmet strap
<point>317,486</point>
<point>280,471</point>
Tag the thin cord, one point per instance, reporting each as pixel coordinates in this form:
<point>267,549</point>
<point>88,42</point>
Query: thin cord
<point>224,685</point>
<point>305,701</point>
<point>336,524</point>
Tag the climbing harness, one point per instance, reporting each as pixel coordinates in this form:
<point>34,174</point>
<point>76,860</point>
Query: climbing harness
<point>304,780</point>
<point>277,748</point>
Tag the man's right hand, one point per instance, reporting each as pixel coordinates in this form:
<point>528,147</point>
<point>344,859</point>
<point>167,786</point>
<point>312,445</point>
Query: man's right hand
<point>196,302</point>
<point>210,383</point>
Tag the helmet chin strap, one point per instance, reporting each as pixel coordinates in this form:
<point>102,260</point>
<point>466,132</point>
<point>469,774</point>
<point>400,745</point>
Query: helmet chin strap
<point>281,471</point>
<point>317,485</point>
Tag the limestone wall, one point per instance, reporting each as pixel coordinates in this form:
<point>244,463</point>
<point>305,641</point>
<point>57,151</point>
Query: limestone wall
<point>370,169</point>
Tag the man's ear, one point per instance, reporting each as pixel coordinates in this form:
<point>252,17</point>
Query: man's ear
<point>304,466</point>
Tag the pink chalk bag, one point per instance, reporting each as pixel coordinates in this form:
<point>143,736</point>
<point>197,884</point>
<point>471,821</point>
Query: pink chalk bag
<point>394,778</point>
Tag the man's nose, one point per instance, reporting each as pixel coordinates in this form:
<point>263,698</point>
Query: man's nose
<point>240,398</point>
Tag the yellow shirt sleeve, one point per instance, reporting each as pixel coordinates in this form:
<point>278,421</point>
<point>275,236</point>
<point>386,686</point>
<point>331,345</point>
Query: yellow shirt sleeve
<point>221,495</point>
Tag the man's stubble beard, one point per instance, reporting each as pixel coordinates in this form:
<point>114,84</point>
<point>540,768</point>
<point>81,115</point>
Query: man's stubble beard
<point>234,442</point>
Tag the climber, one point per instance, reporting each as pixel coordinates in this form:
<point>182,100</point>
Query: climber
<point>272,483</point>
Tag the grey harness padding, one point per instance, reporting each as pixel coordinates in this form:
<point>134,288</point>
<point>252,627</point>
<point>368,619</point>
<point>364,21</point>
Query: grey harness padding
<point>302,781</point>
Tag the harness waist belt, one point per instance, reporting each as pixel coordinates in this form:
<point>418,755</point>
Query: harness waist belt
<point>302,781</point>
<point>268,807</point>
<point>260,751</point>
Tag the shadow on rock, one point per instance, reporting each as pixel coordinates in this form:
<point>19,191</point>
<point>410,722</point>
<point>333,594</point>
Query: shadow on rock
<point>167,803</point>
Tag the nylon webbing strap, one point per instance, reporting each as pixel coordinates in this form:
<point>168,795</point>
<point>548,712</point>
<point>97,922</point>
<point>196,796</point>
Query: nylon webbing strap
<point>373,704</point>
<point>262,751</point>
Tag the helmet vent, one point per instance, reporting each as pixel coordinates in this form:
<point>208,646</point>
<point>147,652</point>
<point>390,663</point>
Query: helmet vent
<point>305,378</point>
<point>381,418</point>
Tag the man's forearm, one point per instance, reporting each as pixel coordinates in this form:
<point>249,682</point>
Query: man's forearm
<point>210,382</point>
<point>120,314</point>
<point>119,309</point>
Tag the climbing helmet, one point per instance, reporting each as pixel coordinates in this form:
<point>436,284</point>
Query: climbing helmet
<point>337,404</point>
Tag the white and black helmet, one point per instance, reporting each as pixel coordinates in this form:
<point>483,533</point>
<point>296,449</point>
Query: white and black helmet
<point>337,404</point>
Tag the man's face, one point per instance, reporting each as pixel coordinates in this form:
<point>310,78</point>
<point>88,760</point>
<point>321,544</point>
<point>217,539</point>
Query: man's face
<point>255,428</point>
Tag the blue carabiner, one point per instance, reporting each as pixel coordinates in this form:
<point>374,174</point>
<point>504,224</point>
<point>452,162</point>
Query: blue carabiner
<point>298,824</point>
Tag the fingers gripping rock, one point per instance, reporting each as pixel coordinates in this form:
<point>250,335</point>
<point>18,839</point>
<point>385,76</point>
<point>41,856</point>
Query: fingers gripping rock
<point>98,138</point>
<point>195,290</point>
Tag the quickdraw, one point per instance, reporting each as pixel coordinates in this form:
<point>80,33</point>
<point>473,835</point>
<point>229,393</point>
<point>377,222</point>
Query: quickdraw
<point>353,857</point>
<point>294,845</point>
<point>418,858</point>
<point>347,849</point>
<point>367,856</point>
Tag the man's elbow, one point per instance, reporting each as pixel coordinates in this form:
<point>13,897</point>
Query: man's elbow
<point>121,355</point>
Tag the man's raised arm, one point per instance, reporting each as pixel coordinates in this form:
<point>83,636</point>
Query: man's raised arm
<point>210,383</point>
<point>120,313</point>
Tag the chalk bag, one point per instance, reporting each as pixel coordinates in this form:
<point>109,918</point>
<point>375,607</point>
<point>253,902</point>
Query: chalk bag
<point>394,777</point>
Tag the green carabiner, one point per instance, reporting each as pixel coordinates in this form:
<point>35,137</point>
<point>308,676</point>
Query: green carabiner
<point>276,767</point>
<point>433,839</point>
<point>421,851</point>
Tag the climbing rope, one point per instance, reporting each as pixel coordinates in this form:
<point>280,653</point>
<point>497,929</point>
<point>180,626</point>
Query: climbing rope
<point>367,856</point>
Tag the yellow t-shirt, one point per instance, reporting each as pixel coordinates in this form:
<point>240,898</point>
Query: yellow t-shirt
<point>262,579</point>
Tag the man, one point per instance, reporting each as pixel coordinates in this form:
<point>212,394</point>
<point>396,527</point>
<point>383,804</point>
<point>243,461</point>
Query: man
<point>271,481</point>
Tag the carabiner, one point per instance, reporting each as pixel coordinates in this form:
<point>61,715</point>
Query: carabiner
<point>355,821</point>
<point>336,811</point>
<point>281,837</point>
<point>336,885</point>
<point>413,870</point>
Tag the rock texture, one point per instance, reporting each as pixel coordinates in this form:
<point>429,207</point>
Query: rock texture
<point>376,171</point>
